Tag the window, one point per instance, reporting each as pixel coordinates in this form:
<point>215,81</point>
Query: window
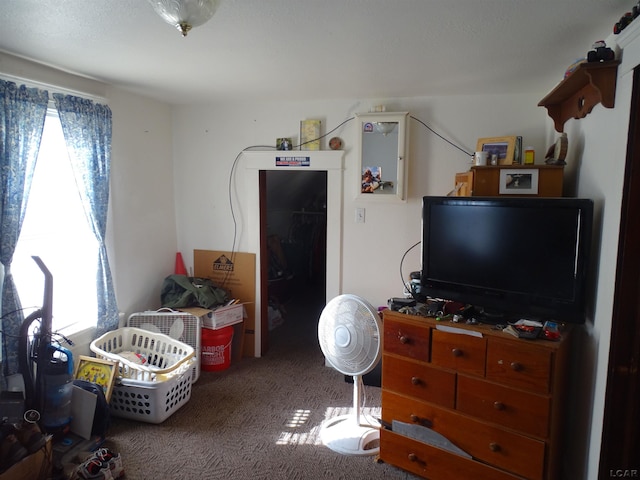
<point>55,229</point>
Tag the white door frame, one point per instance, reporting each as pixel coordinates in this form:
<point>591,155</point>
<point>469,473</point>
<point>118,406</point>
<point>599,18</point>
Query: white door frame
<point>329,161</point>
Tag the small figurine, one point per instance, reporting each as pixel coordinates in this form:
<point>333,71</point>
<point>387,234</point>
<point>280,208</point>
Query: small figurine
<point>557,152</point>
<point>600,52</point>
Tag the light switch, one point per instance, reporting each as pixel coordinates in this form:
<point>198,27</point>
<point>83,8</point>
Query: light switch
<point>360,215</point>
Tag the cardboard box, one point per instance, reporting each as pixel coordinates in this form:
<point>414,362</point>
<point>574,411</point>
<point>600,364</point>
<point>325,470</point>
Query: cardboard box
<point>219,317</point>
<point>36,466</point>
<point>236,272</point>
<point>222,317</point>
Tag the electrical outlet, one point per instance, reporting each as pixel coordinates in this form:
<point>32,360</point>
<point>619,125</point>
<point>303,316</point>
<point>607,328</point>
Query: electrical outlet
<point>360,215</point>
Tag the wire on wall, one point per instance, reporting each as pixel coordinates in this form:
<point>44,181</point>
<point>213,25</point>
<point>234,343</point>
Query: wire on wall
<point>404,283</point>
<point>271,147</point>
<point>233,215</point>
<point>325,135</point>
<point>232,172</point>
<point>440,136</point>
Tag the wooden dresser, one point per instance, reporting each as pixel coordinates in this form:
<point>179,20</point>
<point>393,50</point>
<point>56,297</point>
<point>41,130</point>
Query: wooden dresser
<point>496,397</point>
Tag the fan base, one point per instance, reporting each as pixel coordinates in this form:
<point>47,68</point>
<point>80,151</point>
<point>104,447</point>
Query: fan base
<point>344,435</point>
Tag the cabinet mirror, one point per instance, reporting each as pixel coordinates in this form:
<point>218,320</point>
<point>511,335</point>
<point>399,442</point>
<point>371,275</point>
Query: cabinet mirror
<point>382,157</point>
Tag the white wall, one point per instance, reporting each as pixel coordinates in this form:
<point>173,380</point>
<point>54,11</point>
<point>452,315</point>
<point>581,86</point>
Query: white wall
<point>208,138</point>
<point>597,146</point>
<point>142,227</point>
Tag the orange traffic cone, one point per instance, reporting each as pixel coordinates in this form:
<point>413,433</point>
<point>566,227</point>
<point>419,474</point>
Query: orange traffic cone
<point>180,268</point>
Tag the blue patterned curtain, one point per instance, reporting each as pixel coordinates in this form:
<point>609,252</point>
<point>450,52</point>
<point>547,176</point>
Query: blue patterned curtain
<point>22,114</point>
<point>87,132</point>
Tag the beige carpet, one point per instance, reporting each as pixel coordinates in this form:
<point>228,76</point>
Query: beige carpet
<point>259,419</point>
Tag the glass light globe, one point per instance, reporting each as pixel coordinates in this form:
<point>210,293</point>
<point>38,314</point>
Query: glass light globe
<point>185,14</point>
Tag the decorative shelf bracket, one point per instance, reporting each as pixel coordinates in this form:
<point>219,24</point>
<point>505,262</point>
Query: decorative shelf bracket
<point>576,95</point>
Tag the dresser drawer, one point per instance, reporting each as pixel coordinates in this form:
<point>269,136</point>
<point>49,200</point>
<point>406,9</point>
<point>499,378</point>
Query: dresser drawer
<point>499,447</point>
<point>523,411</point>
<point>519,364</point>
<point>419,380</point>
<point>407,339</point>
<point>432,462</point>
<point>463,353</point>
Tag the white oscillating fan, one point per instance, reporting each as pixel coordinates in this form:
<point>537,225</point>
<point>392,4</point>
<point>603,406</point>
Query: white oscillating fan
<point>349,335</point>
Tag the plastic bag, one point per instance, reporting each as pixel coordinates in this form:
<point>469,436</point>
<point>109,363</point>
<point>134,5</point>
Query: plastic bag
<point>180,291</point>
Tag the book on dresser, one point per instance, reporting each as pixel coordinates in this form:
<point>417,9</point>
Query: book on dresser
<point>495,397</point>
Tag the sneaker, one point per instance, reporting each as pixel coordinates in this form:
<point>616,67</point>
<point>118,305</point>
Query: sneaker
<point>92,469</point>
<point>114,460</point>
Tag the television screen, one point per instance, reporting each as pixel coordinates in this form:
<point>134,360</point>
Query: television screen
<point>514,256</point>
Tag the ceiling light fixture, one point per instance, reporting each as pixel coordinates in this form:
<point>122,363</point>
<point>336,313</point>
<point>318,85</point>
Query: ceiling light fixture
<point>185,14</point>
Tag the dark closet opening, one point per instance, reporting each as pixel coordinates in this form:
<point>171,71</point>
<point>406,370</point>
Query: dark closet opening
<point>294,234</point>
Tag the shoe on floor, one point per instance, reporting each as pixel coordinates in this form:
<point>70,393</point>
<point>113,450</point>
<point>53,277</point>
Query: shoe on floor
<point>92,469</point>
<point>106,457</point>
<point>114,460</point>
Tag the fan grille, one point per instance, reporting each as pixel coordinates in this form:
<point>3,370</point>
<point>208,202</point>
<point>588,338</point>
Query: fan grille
<point>349,335</point>
<point>189,333</point>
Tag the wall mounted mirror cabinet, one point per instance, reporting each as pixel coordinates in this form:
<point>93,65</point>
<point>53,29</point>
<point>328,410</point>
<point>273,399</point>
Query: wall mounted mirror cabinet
<point>382,157</point>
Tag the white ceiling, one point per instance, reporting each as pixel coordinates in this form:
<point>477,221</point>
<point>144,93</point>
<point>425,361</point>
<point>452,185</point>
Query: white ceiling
<point>313,49</point>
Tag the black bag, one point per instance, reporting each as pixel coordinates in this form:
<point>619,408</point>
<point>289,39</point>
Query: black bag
<point>180,291</point>
<point>102,415</point>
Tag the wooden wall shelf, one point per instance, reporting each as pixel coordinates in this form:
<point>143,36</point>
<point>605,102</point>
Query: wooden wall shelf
<point>576,95</point>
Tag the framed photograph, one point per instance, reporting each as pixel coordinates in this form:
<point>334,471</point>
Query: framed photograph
<point>98,371</point>
<point>503,147</point>
<point>371,179</point>
<point>514,181</point>
<point>284,144</point>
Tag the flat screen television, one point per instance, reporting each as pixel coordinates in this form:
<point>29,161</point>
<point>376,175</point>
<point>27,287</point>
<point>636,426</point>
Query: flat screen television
<point>508,257</point>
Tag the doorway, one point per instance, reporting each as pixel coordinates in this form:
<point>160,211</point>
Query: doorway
<point>256,163</point>
<point>621,435</point>
<point>294,228</point>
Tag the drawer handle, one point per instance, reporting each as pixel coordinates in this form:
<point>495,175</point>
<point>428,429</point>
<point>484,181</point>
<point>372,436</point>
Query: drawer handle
<point>516,367</point>
<point>498,405</point>
<point>403,339</point>
<point>414,458</point>
<point>416,381</point>
<point>422,421</point>
<point>494,447</point>
<point>456,352</point>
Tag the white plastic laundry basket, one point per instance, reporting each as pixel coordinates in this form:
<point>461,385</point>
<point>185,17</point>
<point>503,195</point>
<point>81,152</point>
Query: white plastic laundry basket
<point>154,390</point>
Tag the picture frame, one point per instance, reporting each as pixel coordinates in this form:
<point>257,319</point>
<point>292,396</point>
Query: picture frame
<point>518,181</point>
<point>98,371</point>
<point>310,134</point>
<point>504,147</point>
<point>371,179</point>
<point>284,144</point>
